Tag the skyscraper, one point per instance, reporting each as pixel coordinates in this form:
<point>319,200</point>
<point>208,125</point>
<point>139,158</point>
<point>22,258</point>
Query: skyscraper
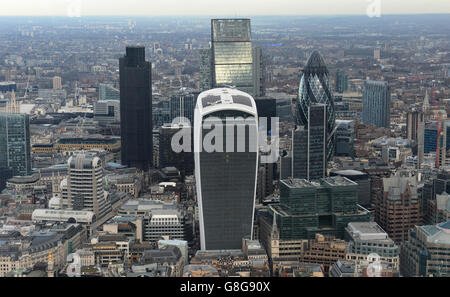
<point>315,88</point>
<point>309,145</point>
<point>182,104</point>
<point>205,69</point>
<point>225,177</point>
<point>259,78</point>
<point>232,55</point>
<point>85,185</point>
<point>15,143</point>
<point>341,81</point>
<point>183,161</point>
<point>136,109</point>
<point>376,103</point>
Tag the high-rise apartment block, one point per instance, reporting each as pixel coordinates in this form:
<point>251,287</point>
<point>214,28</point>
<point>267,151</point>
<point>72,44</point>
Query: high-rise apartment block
<point>376,103</point>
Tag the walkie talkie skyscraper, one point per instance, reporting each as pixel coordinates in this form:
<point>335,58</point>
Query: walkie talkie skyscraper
<point>226,175</point>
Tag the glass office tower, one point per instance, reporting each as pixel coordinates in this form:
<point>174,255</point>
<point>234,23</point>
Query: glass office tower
<point>136,109</point>
<point>15,143</point>
<point>232,55</point>
<point>309,145</point>
<point>225,177</point>
<point>182,104</point>
<point>315,88</point>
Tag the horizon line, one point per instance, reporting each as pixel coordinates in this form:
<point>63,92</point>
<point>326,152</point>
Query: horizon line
<point>229,15</point>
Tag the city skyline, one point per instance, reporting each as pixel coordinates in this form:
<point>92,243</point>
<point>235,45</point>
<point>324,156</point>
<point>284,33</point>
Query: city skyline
<point>103,177</point>
<point>232,7</point>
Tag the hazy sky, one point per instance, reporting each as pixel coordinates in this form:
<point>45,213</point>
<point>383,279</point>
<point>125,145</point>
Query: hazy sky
<point>216,7</point>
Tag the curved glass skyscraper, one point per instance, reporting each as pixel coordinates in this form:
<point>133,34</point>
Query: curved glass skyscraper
<point>315,88</point>
<point>226,175</point>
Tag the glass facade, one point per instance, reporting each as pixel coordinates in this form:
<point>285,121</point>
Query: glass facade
<point>341,81</point>
<point>15,143</point>
<point>309,153</point>
<point>205,70</point>
<point>324,207</point>
<point>183,105</point>
<point>228,189</point>
<point>108,92</point>
<point>232,55</point>
<point>315,88</point>
<point>136,109</point>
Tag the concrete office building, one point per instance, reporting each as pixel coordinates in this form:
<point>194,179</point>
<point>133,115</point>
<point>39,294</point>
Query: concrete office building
<point>398,208</point>
<point>427,251</point>
<point>107,111</point>
<point>367,238</point>
<point>85,185</point>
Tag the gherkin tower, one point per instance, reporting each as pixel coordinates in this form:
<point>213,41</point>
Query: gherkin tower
<point>315,88</point>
